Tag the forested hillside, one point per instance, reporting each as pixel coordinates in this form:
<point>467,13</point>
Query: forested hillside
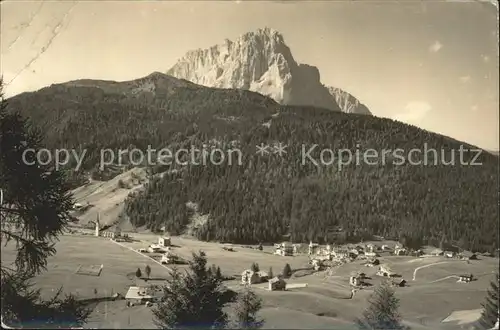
<point>270,197</point>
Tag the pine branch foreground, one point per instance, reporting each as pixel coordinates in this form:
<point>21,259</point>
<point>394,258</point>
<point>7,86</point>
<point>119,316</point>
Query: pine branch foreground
<point>34,211</point>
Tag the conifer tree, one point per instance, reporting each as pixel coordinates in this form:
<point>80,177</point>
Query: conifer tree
<point>490,316</point>
<point>247,306</point>
<point>34,212</point>
<point>382,312</point>
<point>193,299</point>
<point>287,271</point>
<point>218,273</point>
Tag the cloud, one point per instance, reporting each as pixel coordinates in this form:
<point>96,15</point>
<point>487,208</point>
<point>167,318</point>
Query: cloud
<point>464,79</point>
<point>414,112</point>
<point>435,47</point>
<point>485,58</point>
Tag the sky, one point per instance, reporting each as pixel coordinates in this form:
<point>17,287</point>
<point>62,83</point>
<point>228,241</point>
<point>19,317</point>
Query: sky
<point>433,64</point>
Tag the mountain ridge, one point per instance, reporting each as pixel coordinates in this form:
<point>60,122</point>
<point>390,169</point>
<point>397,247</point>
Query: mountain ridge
<point>261,61</point>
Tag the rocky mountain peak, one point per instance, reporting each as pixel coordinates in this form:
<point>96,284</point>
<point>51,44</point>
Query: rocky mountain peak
<point>259,61</point>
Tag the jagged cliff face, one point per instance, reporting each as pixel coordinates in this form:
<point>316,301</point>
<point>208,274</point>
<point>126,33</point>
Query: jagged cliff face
<point>261,62</point>
<point>347,102</point>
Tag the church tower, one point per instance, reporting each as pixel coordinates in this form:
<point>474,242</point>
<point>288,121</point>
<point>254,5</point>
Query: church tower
<point>97,225</point>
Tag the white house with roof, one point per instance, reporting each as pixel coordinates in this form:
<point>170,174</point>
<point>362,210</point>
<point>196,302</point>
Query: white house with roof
<point>164,241</point>
<point>400,251</point>
<point>277,284</point>
<point>385,270</point>
<point>140,295</point>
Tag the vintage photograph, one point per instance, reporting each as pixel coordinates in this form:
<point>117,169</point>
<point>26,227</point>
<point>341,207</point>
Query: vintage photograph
<point>249,164</point>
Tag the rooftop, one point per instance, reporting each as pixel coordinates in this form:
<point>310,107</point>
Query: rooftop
<point>136,292</point>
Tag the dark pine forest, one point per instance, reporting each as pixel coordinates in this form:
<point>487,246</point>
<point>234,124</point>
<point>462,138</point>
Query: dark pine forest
<point>269,198</point>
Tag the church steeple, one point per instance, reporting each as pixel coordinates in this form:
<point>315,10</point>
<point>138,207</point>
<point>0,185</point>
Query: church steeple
<point>97,225</point>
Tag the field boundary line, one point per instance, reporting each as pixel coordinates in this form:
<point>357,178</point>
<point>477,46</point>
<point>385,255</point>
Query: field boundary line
<point>425,266</point>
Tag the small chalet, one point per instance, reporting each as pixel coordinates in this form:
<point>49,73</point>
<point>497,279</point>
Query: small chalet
<point>400,251</point>
<point>164,241</point>
<point>139,295</point>
<point>386,247</point>
<point>316,263</point>
<point>284,249</point>
<point>312,247</point>
<point>385,270</point>
<point>277,284</point>
<point>296,248</point>
<point>401,283</point>
<point>167,258</point>
<point>340,254</point>
<point>354,281</point>
<point>465,278</point>
<point>449,254</point>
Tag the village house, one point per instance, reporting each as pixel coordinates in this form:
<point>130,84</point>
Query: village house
<point>277,284</point>
<point>355,281</point>
<point>284,249</point>
<point>164,241</point>
<point>449,254</point>
<point>297,248</point>
<point>168,258</point>
<point>417,253</point>
<point>400,251</point>
<point>165,259</point>
<point>371,254</point>
<point>385,270</point>
<point>312,248</point>
<point>340,254</point>
<point>401,283</point>
<point>154,248</point>
<point>77,206</point>
<point>317,264</point>
<point>370,247</point>
<point>386,247</point>
<point>249,277</point>
<point>264,276</point>
<point>465,278</point>
<point>139,295</point>
<point>107,234</point>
